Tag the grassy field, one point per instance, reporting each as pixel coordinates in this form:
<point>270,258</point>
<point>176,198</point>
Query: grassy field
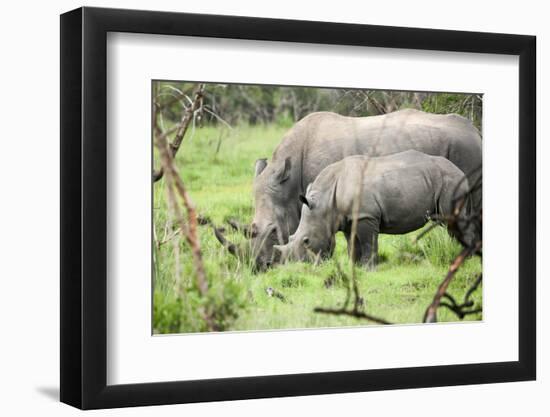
<point>217,167</point>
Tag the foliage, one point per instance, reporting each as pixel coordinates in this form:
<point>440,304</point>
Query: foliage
<point>182,313</point>
<point>239,104</point>
<point>467,105</point>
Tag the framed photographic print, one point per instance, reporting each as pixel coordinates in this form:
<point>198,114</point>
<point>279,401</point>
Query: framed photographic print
<point>257,208</point>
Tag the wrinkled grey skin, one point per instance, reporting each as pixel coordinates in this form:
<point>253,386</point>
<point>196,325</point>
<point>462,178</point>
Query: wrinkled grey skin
<point>321,139</point>
<point>396,194</point>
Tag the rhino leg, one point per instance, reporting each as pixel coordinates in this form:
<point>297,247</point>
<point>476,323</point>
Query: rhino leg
<point>367,232</point>
<point>366,243</point>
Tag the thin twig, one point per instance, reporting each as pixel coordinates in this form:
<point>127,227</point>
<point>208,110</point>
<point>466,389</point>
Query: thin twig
<point>231,247</point>
<point>174,184</point>
<point>169,238</point>
<point>464,309</point>
<point>181,129</point>
<point>431,312</point>
<point>351,313</point>
<point>238,227</point>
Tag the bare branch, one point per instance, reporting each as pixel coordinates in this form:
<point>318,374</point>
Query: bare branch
<point>168,238</point>
<point>181,128</point>
<point>238,227</point>
<point>352,313</point>
<point>231,247</point>
<point>174,184</point>
<point>206,109</point>
<point>431,312</point>
<point>464,309</point>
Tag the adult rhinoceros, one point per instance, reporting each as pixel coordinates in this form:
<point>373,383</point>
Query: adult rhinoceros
<point>323,138</point>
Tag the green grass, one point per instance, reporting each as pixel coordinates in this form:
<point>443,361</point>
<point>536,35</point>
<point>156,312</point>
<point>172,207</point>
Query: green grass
<point>217,167</point>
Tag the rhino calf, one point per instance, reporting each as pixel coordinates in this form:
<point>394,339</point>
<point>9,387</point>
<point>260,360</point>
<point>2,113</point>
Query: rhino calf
<point>392,194</point>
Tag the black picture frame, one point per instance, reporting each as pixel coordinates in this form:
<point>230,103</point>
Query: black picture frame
<point>84,207</point>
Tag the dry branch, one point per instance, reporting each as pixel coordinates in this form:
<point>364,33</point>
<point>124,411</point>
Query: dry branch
<point>354,222</point>
<point>431,312</point>
<point>351,313</point>
<point>175,186</point>
<point>465,308</point>
<point>231,247</point>
<point>190,226</point>
<point>168,238</point>
<point>238,227</point>
<point>180,128</point>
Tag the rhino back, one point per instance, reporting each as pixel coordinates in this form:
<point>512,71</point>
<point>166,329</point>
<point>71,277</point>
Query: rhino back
<point>398,190</point>
<point>323,138</point>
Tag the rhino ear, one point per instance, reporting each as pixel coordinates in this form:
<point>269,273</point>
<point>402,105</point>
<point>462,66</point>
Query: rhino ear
<point>260,166</point>
<point>283,173</point>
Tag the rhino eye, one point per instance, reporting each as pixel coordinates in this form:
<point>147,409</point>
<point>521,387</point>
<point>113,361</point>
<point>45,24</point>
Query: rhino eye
<point>306,240</point>
<point>272,233</point>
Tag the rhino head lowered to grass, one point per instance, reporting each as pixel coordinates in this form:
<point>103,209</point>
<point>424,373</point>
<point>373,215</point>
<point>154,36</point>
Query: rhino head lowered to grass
<point>323,138</point>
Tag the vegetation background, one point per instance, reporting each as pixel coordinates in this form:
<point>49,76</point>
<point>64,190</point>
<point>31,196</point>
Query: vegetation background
<point>237,124</point>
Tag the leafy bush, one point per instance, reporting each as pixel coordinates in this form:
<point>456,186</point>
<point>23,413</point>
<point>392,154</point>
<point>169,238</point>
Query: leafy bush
<point>185,314</point>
